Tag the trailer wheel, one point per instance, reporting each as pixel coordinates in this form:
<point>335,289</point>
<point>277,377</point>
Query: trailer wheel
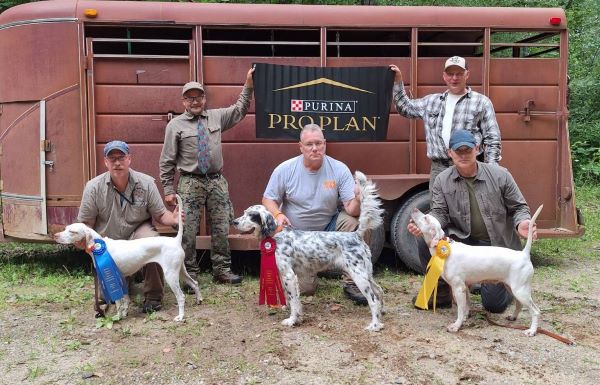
<point>376,243</point>
<point>408,247</point>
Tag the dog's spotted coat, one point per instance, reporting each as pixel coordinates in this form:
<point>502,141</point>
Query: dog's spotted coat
<point>305,253</point>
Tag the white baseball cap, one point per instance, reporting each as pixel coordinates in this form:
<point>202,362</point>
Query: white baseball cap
<point>456,61</point>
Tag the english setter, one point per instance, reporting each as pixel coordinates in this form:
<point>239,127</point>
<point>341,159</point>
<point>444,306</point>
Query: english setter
<point>466,265</point>
<point>300,253</point>
<point>131,255</point>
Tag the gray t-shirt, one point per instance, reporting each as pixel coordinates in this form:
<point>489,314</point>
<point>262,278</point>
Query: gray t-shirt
<point>310,199</point>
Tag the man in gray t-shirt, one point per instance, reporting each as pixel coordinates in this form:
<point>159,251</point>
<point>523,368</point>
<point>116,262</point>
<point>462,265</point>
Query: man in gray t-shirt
<point>305,192</point>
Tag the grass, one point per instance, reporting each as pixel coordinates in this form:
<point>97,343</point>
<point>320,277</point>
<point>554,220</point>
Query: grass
<point>586,247</point>
<point>61,274</point>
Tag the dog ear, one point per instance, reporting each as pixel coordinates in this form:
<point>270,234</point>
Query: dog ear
<point>89,239</point>
<point>269,225</point>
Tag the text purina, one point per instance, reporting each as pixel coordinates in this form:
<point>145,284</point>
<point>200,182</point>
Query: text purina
<point>324,106</point>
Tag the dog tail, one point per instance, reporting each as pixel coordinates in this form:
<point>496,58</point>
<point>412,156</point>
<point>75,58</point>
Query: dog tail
<point>370,205</point>
<point>179,236</point>
<point>527,248</point>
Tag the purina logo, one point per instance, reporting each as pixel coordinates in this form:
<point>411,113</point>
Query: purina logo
<point>348,103</point>
<point>324,106</point>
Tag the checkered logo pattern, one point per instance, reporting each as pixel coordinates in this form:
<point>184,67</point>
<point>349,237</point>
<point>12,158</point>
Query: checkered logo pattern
<point>296,105</point>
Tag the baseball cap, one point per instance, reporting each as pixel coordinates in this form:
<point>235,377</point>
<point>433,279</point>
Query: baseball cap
<point>461,138</point>
<point>116,145</point>
<point>456,61</point>
<point>192,86</point>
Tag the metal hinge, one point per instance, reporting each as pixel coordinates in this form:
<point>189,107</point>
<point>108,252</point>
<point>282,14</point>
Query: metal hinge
<point>46,145</point>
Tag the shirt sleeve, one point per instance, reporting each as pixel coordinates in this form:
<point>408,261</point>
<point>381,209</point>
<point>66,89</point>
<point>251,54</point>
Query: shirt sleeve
<point>515,203</point>
<point>490,133</point>
<point>439,206</point>
<point>407,107</point>
<point>156,206</point>
<point>231,115</point>
<point>276,187</point>
<point>88,210</point>
<point>168,160</point>
<point>346,182</point>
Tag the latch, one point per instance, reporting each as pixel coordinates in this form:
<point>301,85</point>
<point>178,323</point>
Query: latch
<point>49,163</point>
<point>526,112</point>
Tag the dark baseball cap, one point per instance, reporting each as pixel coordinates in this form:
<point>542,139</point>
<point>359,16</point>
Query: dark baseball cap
<point>461,138</point>
<point>116,145</point>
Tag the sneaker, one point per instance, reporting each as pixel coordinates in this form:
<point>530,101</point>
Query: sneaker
<point>151,306</point>
<point>227,277</point>
<point>352,292</point>
<point>440,303</point>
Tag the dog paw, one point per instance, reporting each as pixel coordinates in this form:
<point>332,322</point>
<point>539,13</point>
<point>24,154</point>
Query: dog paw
<point>453,328</point>
<point>530,332</point>
<point>199,301</point>
<point>288,322</point>
<point>179,318</point>
<point>374,327</point>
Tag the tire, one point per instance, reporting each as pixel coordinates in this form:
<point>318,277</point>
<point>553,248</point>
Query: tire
<point>410,250</point>
<point>376,243</point>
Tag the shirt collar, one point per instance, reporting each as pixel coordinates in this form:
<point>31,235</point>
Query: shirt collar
<point>444,95</point>
<point>189,116</point>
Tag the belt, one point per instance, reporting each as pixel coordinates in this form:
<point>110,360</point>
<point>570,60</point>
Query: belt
<point>210,175</point>
<point>443,162</point>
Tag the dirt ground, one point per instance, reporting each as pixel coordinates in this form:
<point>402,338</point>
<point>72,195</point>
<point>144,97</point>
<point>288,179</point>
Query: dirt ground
<point>231,340</point>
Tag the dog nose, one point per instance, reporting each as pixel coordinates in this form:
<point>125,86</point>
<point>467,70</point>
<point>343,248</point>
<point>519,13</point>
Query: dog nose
<point>235,222</point>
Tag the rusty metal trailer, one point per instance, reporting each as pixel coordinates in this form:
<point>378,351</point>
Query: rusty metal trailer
<point>77,74</point>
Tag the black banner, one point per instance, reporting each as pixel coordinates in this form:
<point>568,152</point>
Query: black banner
<point>348,103</point>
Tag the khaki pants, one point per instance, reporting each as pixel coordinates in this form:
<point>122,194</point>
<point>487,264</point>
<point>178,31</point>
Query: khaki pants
<point>154,281</point>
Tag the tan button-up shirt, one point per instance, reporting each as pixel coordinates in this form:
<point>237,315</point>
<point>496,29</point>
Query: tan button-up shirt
<point>101,204</point>
<point>500,201</point>
<point>180,149</point>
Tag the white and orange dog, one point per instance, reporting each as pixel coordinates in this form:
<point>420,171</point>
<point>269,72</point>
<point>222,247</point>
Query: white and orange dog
<point>131,255</point>
<point>467,265</point>
<point>305,253</point>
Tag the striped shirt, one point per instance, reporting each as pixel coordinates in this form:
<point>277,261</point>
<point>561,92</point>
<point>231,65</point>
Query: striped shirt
<point>473,112</point>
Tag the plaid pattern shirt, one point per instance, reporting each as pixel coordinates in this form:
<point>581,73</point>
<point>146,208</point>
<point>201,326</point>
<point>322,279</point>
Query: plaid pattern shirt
<point>473,112</point>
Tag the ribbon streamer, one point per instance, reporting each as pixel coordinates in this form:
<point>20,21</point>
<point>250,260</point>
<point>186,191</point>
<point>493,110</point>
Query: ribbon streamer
<point>271,290</point>
<point>114,286</point>
<point>432,275</point>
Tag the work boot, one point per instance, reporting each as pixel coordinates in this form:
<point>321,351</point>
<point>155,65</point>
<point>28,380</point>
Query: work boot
<point>151,306</point>
<point>227,277</point>
<point>352,292</point>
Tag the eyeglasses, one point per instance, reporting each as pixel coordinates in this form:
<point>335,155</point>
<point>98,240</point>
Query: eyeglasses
<point>317,144</point>
<point>192,99</point>
<point>114,159</point>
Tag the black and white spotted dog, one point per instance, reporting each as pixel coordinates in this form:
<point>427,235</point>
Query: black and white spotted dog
<point>305,253</point>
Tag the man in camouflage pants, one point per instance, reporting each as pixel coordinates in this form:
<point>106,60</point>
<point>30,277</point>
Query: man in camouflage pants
<point>193,147</point>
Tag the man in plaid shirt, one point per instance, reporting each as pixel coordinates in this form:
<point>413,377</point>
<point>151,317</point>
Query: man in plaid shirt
<point>458,108</point>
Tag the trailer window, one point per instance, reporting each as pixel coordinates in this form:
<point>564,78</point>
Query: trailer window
<point>525,44</point>
<point>139,41</point>
<point>444,43</point>
<point>260,42</point>
<point>368,43</point>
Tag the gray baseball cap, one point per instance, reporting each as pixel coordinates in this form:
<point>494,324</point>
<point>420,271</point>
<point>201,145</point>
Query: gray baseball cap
<point>192,86</point>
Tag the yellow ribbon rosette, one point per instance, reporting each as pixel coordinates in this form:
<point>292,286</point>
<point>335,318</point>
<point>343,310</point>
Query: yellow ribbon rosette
<point>432,275</point>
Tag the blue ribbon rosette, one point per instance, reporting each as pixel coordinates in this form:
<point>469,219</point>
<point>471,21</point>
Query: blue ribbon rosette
<point>112,282</point>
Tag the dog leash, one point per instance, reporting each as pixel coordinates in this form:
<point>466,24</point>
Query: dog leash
<point>539,330</point>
